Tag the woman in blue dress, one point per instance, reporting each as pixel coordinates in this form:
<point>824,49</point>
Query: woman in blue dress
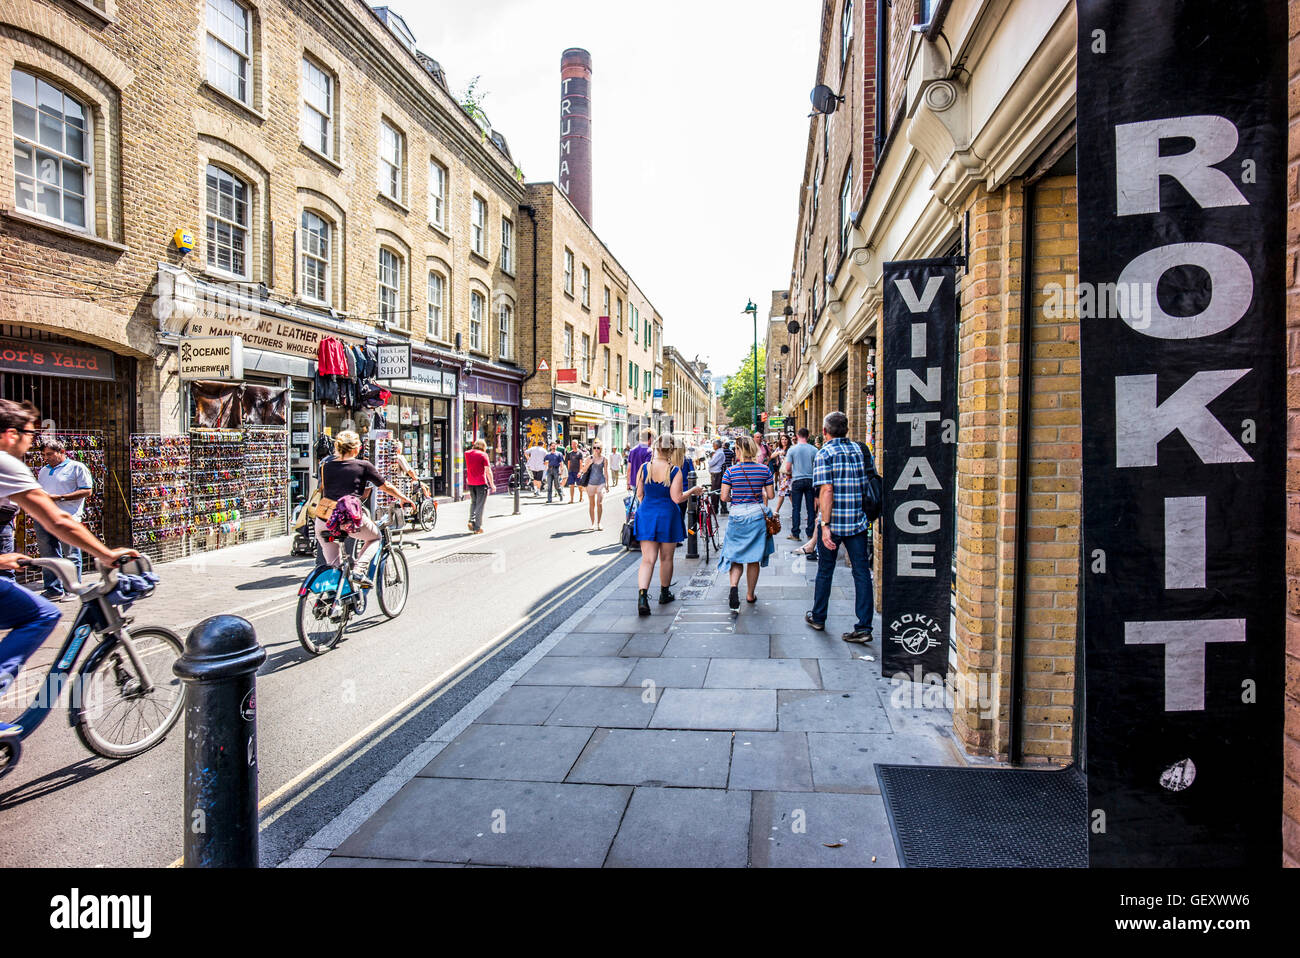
<point>746,486</point>
<point>658,523</point>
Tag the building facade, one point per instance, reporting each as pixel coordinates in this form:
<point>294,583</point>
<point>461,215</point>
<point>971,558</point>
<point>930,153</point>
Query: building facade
<point>686,399</point>
<point>285,171</point>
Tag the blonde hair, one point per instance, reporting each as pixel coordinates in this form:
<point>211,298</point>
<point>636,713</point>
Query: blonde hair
<point>345,441</point>
<point>480,444</point>
<point>746,449</point>
<point>666,446</point>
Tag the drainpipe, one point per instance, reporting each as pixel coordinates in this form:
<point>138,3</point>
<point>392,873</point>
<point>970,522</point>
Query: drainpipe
<point>1023,480</point>
<point>532,369</point>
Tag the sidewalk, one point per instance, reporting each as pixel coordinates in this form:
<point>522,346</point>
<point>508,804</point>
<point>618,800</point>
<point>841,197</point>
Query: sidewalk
<point>689,738</point>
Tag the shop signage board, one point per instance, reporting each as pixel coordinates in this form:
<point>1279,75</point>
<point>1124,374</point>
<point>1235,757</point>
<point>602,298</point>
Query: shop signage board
<point>919,466</point>
<point>47,359</point>
<point>394,360</point>
<point>604,330</point>
<point>265,332</point>
<point>562,403</point>
<point>566,375</point>
<point>211,357</point>
<point>1182,160</point>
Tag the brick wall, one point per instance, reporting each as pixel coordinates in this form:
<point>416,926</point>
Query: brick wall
<point>1291,736</point>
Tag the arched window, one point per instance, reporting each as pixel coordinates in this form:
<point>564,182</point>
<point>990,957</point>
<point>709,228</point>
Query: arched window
<point>52,153</point>
<point>227,222</point>
<point>315,257</point>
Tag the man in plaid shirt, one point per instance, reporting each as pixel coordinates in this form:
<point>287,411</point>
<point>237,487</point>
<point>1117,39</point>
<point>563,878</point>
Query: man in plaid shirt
<point>839,474</point>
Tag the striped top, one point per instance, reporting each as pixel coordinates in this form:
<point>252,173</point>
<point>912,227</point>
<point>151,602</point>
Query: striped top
<point>747,480</point>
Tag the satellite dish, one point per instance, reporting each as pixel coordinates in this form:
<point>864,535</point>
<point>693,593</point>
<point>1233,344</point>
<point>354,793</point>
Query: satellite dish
<point>824,99</point>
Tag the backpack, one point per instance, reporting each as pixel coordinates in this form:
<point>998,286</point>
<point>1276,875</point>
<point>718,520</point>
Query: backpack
<point>873,487</point>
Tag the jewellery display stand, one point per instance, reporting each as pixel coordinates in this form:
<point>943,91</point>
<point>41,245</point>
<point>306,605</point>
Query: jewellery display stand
<point>161,517</point>
<point>85,447</point>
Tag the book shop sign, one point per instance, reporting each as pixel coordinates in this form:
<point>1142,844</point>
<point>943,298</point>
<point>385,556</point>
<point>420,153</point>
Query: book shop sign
<point>48,359</point>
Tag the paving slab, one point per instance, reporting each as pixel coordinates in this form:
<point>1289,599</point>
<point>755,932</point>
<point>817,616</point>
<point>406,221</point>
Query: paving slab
<point>846,762</point>
<point>594,707</point>
<point>777,606</point>
<point>518,752</point>
<point>694,645</point>
<point>762,674</point>
<point>794,829</point>
<point>811,644</point>
<point>335,861</point>
<point>655,757</point>
<point>846,675</point>
<point>645,645</point>
<point>683,828</point>
<point>677,672</point>
<point>452,820</point>
<point>578,670</point>
<point>716,709</point>
<point>722,624</point>
<point>591,643</point>
<point>659,620</point>
<point>524,705</point>
<point>858,711</point>
<point>770,761</point>
<point>791,624</point>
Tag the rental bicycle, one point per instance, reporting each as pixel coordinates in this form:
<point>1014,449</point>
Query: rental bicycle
<point>125,697</point>
<point>706,525</point>
<point>329,596</point>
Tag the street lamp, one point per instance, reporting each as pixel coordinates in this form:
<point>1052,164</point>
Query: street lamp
<point>751,308</point>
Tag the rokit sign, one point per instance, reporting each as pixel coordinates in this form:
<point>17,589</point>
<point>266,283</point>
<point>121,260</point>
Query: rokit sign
<point>920,465</point>
<point>1182,158</point>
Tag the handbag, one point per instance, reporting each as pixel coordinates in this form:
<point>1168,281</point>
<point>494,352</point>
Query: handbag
<point>773,521</point>
<point>628,535</point>
<point>586,475</point>
<point>324,509</point>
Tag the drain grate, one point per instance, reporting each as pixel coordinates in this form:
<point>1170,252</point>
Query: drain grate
<point>986,817</point>
<point>463,558</point>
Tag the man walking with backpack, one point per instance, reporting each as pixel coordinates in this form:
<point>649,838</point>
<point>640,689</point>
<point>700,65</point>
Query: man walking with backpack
<point>848,498</point>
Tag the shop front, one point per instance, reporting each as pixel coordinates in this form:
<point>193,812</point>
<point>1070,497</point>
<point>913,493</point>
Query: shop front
<point>419,415</point>
<point>87,399</point>
<point>561,414</point>
<point>490,411</point>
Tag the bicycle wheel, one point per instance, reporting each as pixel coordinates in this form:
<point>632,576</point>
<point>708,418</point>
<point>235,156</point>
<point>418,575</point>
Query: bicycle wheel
<point>427,515</point>
<point>393,583</point>
<point>318,631</point>
<point>116,718</point>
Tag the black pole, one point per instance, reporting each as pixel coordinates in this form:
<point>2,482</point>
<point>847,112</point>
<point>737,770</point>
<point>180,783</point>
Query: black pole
<point>692,522</point>
<point>219,669</point>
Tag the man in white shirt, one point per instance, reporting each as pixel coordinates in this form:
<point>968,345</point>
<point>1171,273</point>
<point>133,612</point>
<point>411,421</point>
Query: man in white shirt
<point>68,483</point>
<point>717,466</point>
<point>615,466</point>
<point>536,454</point>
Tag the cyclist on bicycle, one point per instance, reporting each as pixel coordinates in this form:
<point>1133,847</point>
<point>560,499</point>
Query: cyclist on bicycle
<point>29,617</point>
<point>349,476</point>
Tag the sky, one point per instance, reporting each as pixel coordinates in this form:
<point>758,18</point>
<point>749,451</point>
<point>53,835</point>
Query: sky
<point>699,130</point>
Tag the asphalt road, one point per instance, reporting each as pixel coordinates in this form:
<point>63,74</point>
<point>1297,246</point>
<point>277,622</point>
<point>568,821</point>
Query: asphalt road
<point>328,726</point>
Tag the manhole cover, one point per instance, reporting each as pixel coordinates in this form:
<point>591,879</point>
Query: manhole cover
<point>460,558</point>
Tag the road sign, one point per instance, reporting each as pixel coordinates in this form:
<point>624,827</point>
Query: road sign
<point>542,366</point>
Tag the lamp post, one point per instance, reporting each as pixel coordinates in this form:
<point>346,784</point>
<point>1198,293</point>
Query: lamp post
<point>751,308</point>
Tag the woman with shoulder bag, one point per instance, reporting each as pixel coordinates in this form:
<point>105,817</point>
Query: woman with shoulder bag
<point>349,476</point>
<point>658,522</point>
<point>595,478</point>
<point>747,542</point>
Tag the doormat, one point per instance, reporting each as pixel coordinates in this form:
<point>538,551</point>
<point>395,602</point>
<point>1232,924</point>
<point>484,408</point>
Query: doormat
<point>986,817</point>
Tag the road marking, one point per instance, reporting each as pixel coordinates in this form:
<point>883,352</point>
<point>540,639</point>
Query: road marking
<point>499,642</point>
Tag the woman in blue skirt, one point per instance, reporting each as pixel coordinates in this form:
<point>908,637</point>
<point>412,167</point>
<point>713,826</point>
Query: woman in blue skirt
<point>658,523</point>
<point>746,486</point>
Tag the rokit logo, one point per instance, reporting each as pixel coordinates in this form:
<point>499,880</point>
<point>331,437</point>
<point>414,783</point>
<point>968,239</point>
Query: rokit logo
<point>915,632</point>
<point>77,911</point>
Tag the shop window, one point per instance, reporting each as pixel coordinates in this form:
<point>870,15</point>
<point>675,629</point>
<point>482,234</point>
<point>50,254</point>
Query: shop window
<point>230,49</point>
<point>437,194</point>
<point>315,244</point>
<point>52,153</point>
<point>505,323</point>
<point>227,222</point>
<point>390,289</point>
<point>391,147</point>
<point>437,296</point>
<point>478,225</point>
<point>476,303</point>
<point>317,108</point>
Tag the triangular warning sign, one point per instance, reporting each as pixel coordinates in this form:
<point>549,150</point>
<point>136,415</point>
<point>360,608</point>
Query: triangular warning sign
<point>542,367</point>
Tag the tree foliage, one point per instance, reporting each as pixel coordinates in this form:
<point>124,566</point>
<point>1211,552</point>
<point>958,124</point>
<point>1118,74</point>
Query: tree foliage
<point>738,392</point>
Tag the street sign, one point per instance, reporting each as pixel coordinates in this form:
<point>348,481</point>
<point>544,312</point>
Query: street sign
<point>776,422</point>
<point>211,357</point>
<point>394,361</point>
<point>566,375</point>
<point>542,366</point>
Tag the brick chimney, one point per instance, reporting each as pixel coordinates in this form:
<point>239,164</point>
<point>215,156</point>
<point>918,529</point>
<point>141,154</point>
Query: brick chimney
<point>575,129</point>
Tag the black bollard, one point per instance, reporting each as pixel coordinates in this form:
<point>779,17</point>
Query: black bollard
<point>519,484</point>
<point>692,525</point>
<point>219,669</point>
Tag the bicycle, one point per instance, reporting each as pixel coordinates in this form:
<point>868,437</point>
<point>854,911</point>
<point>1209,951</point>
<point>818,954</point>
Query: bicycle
<point>425,513</point>
<point>706,525</point>
<point>125,697</point>
<point>329,597</point>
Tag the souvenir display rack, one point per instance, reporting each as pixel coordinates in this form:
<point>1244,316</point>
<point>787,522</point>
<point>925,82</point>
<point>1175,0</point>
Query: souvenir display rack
<point>266,481</point>
<point>86,447</point>
<point>161,516</point>
<point>217,485</point>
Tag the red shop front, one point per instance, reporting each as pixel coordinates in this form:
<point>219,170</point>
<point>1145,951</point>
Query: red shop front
<point>490,411</point>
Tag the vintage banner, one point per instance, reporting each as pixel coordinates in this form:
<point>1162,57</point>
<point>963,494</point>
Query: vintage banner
<point>1182,159</point>
<point>920,466</point>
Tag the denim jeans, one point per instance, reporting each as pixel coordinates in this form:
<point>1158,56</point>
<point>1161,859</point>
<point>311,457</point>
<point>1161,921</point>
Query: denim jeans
<point>7,545</point>
<point>477,501</point>
<point>856,546</point>
<point>30,620</point>
<point>51,547</point>
<point>553,487</point>
<point>801,493</point>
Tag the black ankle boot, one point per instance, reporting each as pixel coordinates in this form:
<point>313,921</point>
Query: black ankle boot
<point>642,602</point>
<point>665,596</point>
<point>733,599</point>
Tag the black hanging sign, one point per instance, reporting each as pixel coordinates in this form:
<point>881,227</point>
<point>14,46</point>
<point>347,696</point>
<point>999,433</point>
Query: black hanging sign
<point>1182,129</point>
<point>920,466</point>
